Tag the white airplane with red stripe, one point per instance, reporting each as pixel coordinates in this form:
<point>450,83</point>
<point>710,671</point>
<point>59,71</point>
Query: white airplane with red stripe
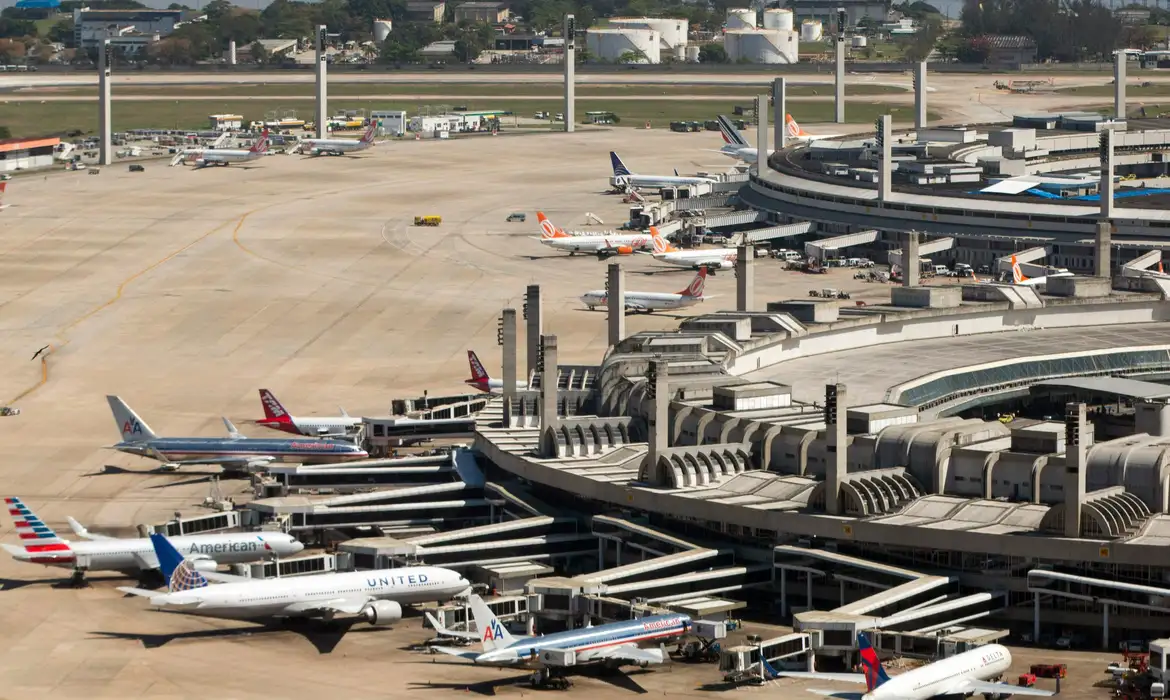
<point>41,545</point>
<point>480,379</point>
<point>227,156</point>
<point>339,147</point>
<point>277,418</point>
<point>1019,279</point>
<point>709,259</point>
<point>601,246</point>
<point>654,301</point>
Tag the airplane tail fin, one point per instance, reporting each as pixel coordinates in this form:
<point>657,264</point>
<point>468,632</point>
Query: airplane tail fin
<point>179,573</point>
<point>133,428</point>
<point>619,168</point>
<point>39,539</point>
<point>478,373</point>
<point>492,631</point>
<point>794,129</point>
<point>274,412</point>
<point>261,145</point>
<point>1160,272</point>
<point>231,428</point>
<point>661,245</point>
<point>368,137</point>
<point>1017,274</point>
<point>695,288</point>
<point>547,228</point>
<point>730,134</point>
<point>875,675</point>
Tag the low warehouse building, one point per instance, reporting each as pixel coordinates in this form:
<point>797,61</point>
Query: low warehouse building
<point>24,154</point>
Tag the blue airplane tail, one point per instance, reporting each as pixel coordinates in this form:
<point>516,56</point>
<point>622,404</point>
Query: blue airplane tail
<point>619,168</point>
<point>770,673</point>
<point>875,675</point>
<point>179,573</point>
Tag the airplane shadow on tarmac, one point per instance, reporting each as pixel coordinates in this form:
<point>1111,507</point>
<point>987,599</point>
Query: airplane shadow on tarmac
<point>324,637</point>
<point>615,677</point>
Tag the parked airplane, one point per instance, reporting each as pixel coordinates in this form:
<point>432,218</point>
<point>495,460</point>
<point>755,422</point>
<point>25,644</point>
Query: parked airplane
<point>227,156</point>
<point>374,596</point>
<point>233,453</point>
<point>3,186</point>
<point>654,301</point>
<point>277,418</point>
<point>736,145</point>
<point>601,246</point>
<point>710,259</point>
<point>615,644</point>
<point>339,147</point>
<point>480,379</point>
<point>957,676</point>
<point>1018,277</point>
<point>798,135</point>
<point>623,177</point>
<point>41,545</point>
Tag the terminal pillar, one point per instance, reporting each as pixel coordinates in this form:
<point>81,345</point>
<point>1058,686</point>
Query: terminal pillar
<point>657,420</point>
<point>615,302</point>
<point>322,83</point>
<point>744,282</point>
<point>232,52</point>
<point>548,383</point>
<point>835,432</point>
<point>1076,440</point>
<point>535,327</point>
<point>761,134</point>
<point>507,339</point>
<point>920,97</point>
<point>780,114</point>
<point>839,82</point>
<point>570,72</point>
<point>1105,622</point>
<point>910,266</point>
<point>1119,84</point>
<point>105,125</point>
<point>1105,189</point>
<point>885,158</point>
<point>1101,262</point>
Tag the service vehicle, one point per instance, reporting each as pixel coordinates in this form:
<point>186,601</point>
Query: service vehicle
<point>428,220</point>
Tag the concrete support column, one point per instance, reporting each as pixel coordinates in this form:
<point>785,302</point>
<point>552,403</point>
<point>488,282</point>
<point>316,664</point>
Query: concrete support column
<point>808,591</point>
<point>1076,426</point>
<point>1105,189</point>
<point>535,327</point>
<point>1119,84</point>
<point>886,162</point>
<point>105,125</point>
<point>601,553</point>
<point>920,96</point>
<point>322,85</point>
<point>910,268</point>
<point>615,302</point>
<point>618,559</point>
<point>841,593</point>
<point>762,112</point>
<point>1105,625</point>
<point>783,593</point>
<point>548,384</point>
<point>530,628</point>
<point>508,341</point>
<point>1101,262</point>
<point>232,52</point>
<point>1035,618</point>
<point>745,288</point>
<point>570,72</point>
<point>657,420</point>
<point>835,468</point>
<point>780,112</point>
<point>839,82</point>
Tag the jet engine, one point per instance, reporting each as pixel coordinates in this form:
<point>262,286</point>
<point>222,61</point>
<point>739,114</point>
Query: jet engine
<point>382,612</point>
<point>204,564</point>
<point>615,250</point>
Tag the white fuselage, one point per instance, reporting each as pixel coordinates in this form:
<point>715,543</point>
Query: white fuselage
<point>657,181</point>
<point>642,301</point>
<point>593,244</point>
<point>223,156</point>
<point>983,663</point>
<point>337,146</point>
<point>747,154</point>
<point>722,257</point>
<point>1034,281</point>
<point>313,425</point>
<point>295,596</point>
<point>138,554</point>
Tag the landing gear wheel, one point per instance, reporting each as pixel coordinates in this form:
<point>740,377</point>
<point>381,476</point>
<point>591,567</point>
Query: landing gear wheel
<point>78,580</point>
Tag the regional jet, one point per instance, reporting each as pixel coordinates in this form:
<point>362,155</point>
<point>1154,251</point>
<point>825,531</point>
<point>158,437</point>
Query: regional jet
<point>603,247</point>
<point>277,418</point>
<point>650,302</point>
<point>374,596</point>
<point>227,156</point>
<point>623,178</point>
<point>480,379</point>
<point>339,147</point>
<point>40,544</point>
<point>235,452</point>
<point>710,259</point>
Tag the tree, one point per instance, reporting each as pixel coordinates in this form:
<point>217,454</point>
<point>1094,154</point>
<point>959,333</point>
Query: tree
<point>11,28</point>
<point>239,25</point>
<point>259,53</point>
<point>973,50</point>
<point>171,51</point>
<point>11,49</point>
<point>924,39</point>
<point>62,32</point>
<point>5,132</point>
<point>712,53</point>
<point>283,19</point>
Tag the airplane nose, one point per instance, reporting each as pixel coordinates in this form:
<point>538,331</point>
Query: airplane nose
<point>297,546</point>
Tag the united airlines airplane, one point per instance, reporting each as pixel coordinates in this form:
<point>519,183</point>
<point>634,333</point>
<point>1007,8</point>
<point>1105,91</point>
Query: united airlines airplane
<point>623,177</point>
<point>41,545</point>
<point>234,453</point>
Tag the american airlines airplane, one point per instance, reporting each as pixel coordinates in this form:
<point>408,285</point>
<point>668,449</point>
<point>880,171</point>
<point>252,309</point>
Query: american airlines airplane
<point>374,596</point>
<point>602,246</point>
<point>234,453</point>
<point>480,379</point>
<point>654,301</point>
<point>41,545</point>
<point>623,177</point>
<point>710,259</point>
<point>339,147</point>
<point>227,156</point>
<point>615,643</point>
<point>957,676</point>
<point>277,418</point>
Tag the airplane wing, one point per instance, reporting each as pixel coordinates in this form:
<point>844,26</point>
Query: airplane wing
<point>223,578</point>
<point>970,685</point>
<point>839,695</point>
<point>145,561</point>
<point>839,677</point>
<point>461,653</point>
<point>444,632</point>
<point>80,531</point>
<point>349,605</point>
<point>249,462</point>
<point>139,592</point>
<point>630,653</point>
<point>634,307</point>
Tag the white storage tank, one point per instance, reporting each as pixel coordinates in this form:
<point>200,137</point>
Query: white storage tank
<point>692,54</point>
<point>778,18</point>
<point>673,31</point>
<point>612,44</point>
<point>761,46</point>
<point>741,18</point>
<point>382,29</point>
<point>859,42</point>
<point>811,30</point>
<point>680,53</point>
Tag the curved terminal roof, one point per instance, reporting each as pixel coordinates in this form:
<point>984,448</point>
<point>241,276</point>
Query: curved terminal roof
<point>1111,386</point>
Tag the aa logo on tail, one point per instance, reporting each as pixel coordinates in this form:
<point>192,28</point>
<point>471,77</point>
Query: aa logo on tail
<point>131,427</point>
<point>493,632</point>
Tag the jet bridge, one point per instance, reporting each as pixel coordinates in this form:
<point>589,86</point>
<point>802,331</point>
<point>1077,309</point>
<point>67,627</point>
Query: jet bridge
<point>285,479</point>
<point>770,233</point>
<point>924,250</point>
<point>819,250</point>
